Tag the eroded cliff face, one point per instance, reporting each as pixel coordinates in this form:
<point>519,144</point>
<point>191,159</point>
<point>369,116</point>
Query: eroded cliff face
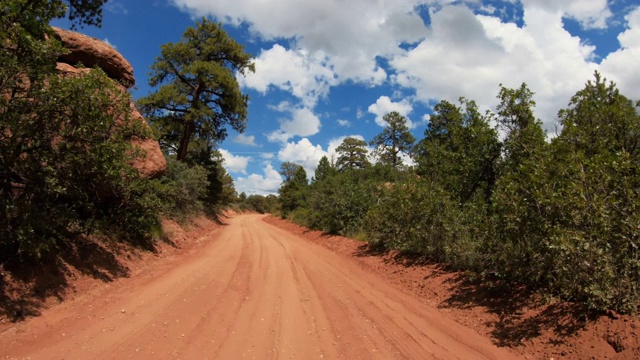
<point>86,52</point>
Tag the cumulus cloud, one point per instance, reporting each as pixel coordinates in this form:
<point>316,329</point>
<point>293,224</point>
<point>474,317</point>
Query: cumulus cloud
<point>245,140</point>
<point>260,184</point>
<point>617,64</point>
<point>233,163</point>
<point>483,52</point>
<point>306,76</point>
<point>303,122</point>
<point>347,35</point>
<point>302,153</point>
<point>385,105</point>
<point>590,13</point>
<point>278,136</point>
<point>467,49</point>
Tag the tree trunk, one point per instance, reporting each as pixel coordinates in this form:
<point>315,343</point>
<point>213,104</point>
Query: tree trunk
<point>187,132</point>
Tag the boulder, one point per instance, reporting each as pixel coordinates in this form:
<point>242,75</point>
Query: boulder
<point>153,164</point>
<point>91,52</point>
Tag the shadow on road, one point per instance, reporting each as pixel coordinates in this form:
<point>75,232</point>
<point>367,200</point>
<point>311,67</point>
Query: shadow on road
<point>521,313</point>
<point>27,283</point>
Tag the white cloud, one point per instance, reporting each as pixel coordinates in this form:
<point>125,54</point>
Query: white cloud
<point>322,44</point>
<point>302,153</point>
<point>384,105</point>
<point>617,64</point>
<point>260,184</point>
<point>590,13</point>
<point>306,76</point>
<point>245,140</point>
<point>348,35</point>
<point>344,123</point>
<point>470,55</point>
<point>303,122</point>
<point>278,136</point>
<point>233,163</point>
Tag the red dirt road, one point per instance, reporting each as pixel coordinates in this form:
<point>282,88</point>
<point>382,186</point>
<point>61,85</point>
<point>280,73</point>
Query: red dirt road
<point>250,291</point>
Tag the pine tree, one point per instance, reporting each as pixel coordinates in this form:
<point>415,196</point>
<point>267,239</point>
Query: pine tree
<point>198,95</point>
<point>393,141</point>
<point>352,154</point>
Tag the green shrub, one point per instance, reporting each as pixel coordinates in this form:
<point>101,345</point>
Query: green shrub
<point>418,217</point>
<point>340,202</point>
<point>65,162</point>
<point>182,189</point>
<point>301,216</point>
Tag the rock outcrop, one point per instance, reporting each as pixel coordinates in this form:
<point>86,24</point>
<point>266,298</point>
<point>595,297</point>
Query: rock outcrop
<point>91,52</point>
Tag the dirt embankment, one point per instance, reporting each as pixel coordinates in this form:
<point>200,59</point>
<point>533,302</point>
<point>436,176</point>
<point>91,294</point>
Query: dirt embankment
<point>26,290</point>
<point>259,287</point>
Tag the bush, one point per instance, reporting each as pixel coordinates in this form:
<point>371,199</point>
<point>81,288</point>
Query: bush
<point>65,163</point>
<point>340,202</point>
<point>182,189</point>
<point>418,217</point>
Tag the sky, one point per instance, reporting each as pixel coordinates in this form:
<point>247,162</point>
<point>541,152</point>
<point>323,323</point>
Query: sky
<point>328,69</point>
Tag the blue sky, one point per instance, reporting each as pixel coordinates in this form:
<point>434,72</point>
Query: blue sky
<point>327,69</point>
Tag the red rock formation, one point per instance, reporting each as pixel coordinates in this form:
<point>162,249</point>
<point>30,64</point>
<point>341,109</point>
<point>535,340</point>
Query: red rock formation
<point>153,164</point>
<point>91,52</point>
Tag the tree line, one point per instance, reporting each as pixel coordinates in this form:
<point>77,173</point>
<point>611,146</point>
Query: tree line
<point>487,193</point>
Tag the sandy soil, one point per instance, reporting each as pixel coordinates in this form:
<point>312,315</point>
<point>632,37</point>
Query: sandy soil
<point>249,290</point>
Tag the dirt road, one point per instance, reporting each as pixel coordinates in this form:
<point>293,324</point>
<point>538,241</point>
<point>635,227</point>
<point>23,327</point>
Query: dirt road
<point>251,291</point>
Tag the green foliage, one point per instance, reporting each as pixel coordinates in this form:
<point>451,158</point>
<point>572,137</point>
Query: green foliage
<point>199,95</point>
<point>324,170</point>
<point>460,151</point>
<point>197,100</point>
<point>596,176</point>
<point>182,189</point>
<point>293,192</point>
<point>560,217</point>
<point>65,143</point>
<point>340,202</point>
<point>352,154</point>
<point>86,12</point>
<point>518,246</point>
<point>65,163</point>
<point>301,216</point>
<point>289,169</point>
<point>220,190</point>
<point>417,216</point>
<point>268,204</point>
<point>394,140</point>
